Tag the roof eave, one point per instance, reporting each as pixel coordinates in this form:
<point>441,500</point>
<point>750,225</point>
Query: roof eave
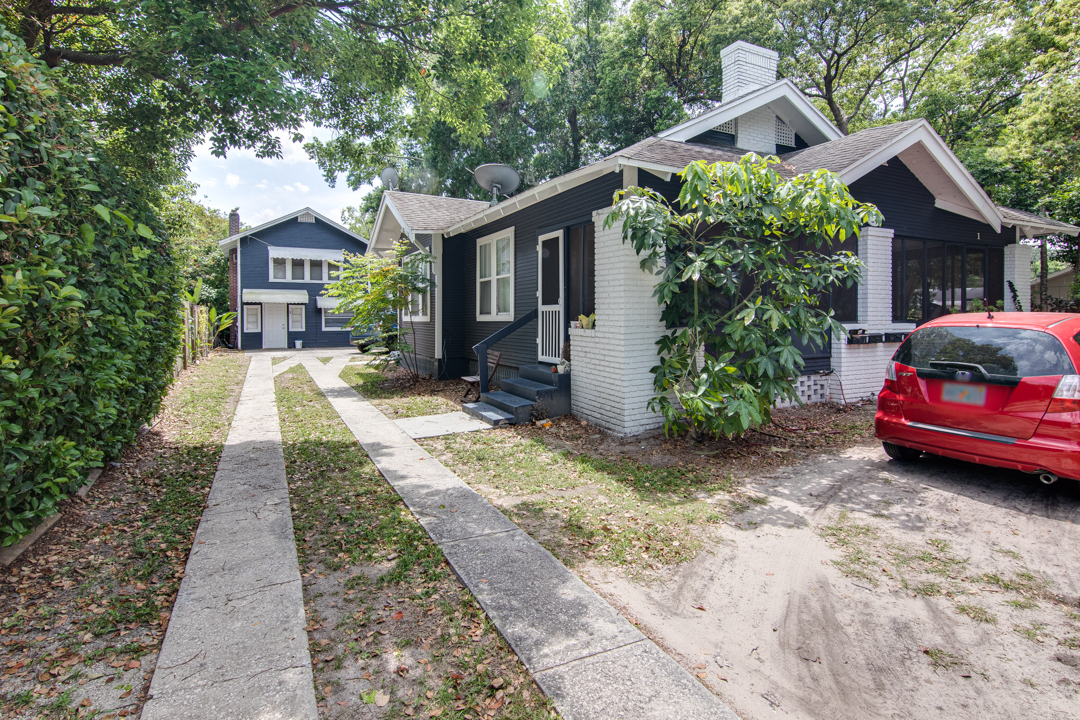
<point>534,195</point>
<point>230,242</point>
<point>922,132</point>
<point>771,93</point>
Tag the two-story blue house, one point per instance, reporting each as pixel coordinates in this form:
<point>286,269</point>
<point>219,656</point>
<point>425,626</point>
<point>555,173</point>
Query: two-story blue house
<point>277,272</point>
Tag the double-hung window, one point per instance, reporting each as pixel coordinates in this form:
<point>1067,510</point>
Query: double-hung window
<point>419,302</point>
<point>334,320</point>
<point>253,318</point>
<point>495,276</point>
<point>296,318</point>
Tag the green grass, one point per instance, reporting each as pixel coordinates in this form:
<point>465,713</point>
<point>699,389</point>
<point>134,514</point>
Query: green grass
<point>1033,632</point>
<point>394,402</point>
<point>855,541</point>
<point>615,511</point>
<point>344,514</point>
<point>977,613</point>
<point>337,491</point>
<point>941,659</point>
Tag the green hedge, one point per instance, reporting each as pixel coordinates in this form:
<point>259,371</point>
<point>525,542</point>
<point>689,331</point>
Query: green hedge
<point>88,299</point>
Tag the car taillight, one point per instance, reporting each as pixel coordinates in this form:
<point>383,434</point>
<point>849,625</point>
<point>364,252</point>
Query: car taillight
<point>1067,396</point>
<point>890,376</point>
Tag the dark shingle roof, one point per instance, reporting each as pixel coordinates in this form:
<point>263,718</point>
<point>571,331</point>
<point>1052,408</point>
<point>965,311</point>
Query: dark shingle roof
<point>674,153</point>
<point>432,212</point>
<point>838,155</point>
<point>1023,217</point>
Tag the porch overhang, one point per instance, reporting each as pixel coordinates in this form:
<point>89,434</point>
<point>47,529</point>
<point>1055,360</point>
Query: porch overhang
<point>290,297</point>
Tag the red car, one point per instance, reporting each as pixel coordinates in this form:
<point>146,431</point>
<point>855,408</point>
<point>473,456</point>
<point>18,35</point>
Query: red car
<point>998,389</point>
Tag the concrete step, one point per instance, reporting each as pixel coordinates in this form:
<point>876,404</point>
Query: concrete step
<point>538,372</point>
<point>491,415</point>
<point>519,407</point>
<point>555,399</point>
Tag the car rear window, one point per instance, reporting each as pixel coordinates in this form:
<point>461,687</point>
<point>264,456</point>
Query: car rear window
<point>1012,352</point>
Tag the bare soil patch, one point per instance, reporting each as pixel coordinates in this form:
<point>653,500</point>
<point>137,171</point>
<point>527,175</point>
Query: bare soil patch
<point>869,589</point>
<point>84,610</point>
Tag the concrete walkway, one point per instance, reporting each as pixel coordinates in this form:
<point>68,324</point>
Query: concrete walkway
<point>586,657</point>
<point>236,646</point>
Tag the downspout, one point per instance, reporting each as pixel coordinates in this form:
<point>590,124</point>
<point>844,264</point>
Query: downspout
<point>239,320</point>
<point>437,249</point>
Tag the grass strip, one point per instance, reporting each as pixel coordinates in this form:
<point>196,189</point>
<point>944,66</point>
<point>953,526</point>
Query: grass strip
<point>392,632</point>
<point>612,510</point>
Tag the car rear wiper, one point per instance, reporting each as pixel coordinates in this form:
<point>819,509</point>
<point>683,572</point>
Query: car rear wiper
<point>942,374</point>
<point>961,365</point>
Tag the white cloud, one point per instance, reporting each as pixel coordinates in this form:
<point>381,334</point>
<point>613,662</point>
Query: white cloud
<point>264,216</point>
<point>232,180</point>
<point>262,185</point>
<point>301,187</point>
<point>208,183</point>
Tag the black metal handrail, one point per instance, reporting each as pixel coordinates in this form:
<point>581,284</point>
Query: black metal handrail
<point>481,347</point>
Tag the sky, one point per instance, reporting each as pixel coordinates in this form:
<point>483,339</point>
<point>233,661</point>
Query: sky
<point>268,188</point>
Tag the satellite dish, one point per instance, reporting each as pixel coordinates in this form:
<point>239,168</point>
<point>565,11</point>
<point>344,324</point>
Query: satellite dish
<point>497,179</point>
<point>390,178</point>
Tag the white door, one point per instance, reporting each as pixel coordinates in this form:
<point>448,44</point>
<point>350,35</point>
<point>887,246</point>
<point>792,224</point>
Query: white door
<point>273,331</point>
<point>549,295</point>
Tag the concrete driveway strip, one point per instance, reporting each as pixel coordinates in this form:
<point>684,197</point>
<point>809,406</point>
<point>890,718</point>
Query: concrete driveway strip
<point>586,657</point>
<point>236,647</point>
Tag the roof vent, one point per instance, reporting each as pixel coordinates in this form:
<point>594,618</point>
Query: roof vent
<point>729,127</point>
<point>306,217</point>
<point>784,134</point>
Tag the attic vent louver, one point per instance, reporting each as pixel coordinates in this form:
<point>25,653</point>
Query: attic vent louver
<point>784,134</point>
<point>306,217</point>
<point>729,127</point>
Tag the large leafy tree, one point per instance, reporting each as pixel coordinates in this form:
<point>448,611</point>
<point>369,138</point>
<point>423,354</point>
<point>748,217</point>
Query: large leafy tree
<point>745,268</point>
<point>157,76</point>
<point>194,231</point>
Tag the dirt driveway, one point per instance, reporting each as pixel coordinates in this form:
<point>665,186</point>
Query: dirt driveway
<point>868,589</point>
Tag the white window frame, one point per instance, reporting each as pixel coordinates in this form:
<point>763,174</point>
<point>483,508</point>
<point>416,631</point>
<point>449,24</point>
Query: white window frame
<point>302,310</point>
<point>423,299</point>
<point>258,319</point>
<point>325,264</point>
<point>326,329</point>
<point>495,316</point>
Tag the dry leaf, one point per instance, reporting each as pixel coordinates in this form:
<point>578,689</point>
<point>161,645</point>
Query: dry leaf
<point>381,699</point>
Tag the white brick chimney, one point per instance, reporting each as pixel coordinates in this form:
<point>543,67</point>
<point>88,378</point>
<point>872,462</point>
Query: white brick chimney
<point>746,68</point>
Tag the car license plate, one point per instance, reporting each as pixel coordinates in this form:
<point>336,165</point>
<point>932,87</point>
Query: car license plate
<point>964,394</point>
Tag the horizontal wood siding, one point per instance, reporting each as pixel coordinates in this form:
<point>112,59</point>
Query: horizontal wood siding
<point>424,338</point>
<point>909,209</point>
<point>460,328</point>
<point>255,275</point>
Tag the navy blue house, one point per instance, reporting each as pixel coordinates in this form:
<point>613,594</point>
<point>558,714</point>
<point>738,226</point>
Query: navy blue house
<point>277,273</point>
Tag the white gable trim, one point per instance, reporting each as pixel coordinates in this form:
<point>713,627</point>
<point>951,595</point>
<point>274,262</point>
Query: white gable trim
<point>378,247</point>
<point>782,97</point>
<point>230,242</point>
<point>922,142</point>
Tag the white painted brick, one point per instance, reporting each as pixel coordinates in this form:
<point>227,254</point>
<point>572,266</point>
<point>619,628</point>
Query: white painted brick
<point>746,67</point>
<point>756,130</point>
<point>1018,269</point>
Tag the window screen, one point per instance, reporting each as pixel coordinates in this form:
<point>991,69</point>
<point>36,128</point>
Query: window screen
<point>296,318</point>
<point>297,269</point>
<point>279,268</point>
<point>316,270</point>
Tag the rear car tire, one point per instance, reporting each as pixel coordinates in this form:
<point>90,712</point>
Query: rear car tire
<point>901,453</point>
